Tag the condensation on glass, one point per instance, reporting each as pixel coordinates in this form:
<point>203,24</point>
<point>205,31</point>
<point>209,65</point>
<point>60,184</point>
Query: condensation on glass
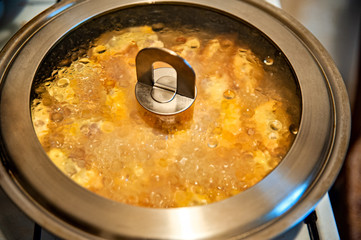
<point>241,125</point>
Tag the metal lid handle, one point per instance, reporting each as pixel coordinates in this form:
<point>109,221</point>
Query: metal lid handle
<point>162,90</point>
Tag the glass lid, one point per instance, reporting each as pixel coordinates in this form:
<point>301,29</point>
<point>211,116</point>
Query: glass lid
<point>243,121</point>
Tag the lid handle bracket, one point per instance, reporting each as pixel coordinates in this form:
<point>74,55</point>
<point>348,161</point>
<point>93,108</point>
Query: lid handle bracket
<point>164,91</point>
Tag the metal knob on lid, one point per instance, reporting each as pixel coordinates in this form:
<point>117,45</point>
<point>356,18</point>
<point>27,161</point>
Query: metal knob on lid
<point>166,90</point>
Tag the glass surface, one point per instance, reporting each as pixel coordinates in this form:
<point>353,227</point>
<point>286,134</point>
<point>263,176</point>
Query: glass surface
<point>240,127</point>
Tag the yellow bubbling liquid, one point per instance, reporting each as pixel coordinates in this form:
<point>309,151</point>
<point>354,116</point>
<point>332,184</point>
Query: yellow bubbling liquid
<point>237,131</point>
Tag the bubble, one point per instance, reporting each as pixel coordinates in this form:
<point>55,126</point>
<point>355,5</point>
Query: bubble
<point>84,60</point>
<point>229,94</point>
<point>217,130</point>
<point>160,144</point>
<point>40,90</point>
<point>251,131</point>
<point>248,113</point>
<point>57,141</point>
<point>226,43</point>
<point>275,125</point>
<point>93,129</point>
<point>131,62</point>
<point>69,168</point>
<point>67,61</point>
<point>157,177</point>
<point>157,27</point>
<point>56,116</point>
<point>100,49</point>
<point>124,83</point>
<point>107,127</point>
<point>84,129</point>
<point>62,82</point>
<point>193,43</point>
<point>273,136</point>
<point>183,160</point>
<point>268,61</point>
<point>39,123</point>
<point>163,162</point>
<point>212,142</point>
<point>135,116</point>
<point>293,129</point>
<point>79,67</point>
<point>181,40</point>
<point>138,171</point>
<point>109,83</point>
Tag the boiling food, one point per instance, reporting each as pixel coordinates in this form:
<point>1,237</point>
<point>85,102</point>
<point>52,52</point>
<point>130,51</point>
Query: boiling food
<point>241,125</point>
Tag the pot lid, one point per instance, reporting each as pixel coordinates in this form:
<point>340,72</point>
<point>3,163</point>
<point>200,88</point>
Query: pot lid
<point>286,195</point>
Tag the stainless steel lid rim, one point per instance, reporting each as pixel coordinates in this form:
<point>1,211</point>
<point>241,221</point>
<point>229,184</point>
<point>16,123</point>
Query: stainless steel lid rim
<point>115,220</point>
<point>11,49</point>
